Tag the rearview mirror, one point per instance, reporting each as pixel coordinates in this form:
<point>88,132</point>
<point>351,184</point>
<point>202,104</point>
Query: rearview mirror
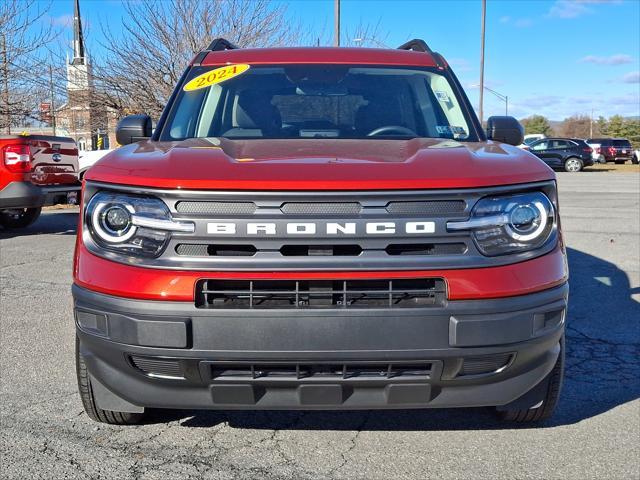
<point>133,128</point>
<point>505,130</point>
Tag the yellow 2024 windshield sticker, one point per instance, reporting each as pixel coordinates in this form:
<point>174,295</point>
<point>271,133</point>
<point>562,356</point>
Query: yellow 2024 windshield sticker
<point>215,76</point>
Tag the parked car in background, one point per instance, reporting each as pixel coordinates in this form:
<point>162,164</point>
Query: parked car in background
<point>35,171</point>
<point>570,154</point>
<point>531,138</point>
<point>616,150</point>
<point>594,143</point>
<point>88,158</point>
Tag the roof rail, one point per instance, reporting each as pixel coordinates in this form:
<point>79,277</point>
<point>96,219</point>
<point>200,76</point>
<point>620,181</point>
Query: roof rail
<point>419,45</point>
<point>220,44</point>
<point>217,45</point>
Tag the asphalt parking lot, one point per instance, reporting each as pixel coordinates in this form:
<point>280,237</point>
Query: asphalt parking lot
<point>594,434</point>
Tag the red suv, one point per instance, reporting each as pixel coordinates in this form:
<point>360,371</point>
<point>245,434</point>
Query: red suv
<point>319,228</point>
<point>35,170</point>
<point>617,150</point>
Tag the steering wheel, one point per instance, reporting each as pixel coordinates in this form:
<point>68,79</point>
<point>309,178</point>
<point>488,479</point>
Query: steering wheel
<point>392,129</point>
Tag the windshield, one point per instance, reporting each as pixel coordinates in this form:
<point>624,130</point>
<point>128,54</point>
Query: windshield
<point>316,101</point>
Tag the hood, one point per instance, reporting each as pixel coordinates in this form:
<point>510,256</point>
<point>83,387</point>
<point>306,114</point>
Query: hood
<point>318,164</point>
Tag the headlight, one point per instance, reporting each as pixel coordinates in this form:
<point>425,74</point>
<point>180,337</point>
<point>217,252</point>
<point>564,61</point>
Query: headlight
<point>510,224</point>
<point>128,224</point>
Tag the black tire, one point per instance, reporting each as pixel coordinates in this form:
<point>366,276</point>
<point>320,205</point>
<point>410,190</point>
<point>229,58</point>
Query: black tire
<point>551,397</point>
<point>620,162</point>
<point>573,164</point>
<point>19,217</point>
<point>88,401</point>
<point>634,160</point>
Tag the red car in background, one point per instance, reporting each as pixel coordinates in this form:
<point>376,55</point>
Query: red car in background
<point>35,171</point>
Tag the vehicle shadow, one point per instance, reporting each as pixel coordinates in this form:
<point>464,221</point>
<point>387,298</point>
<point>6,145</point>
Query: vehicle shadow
<point>597,170</point>
<point>603,368</point>
<point>56,222</point>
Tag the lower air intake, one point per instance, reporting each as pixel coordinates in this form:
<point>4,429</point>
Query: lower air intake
<point>319,294</point>
<point>157,367</point>
<point>484,364</point>
<point>343,371</point>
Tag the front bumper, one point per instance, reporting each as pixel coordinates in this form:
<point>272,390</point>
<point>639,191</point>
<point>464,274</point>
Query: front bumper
<point>174,355</point>
<point>29,195</point>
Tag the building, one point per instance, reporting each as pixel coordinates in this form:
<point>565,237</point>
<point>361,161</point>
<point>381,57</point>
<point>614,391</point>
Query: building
<point>90,123</point>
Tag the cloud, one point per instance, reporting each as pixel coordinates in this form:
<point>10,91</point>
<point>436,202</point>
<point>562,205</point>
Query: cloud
<point>618,59</point>
<point>580,100</point>
<point>628,99</point>
<point>523,22</point>
<point>631,77</point>
<point>459,64</point>
<point>516,22</point>
<point>575,8</point>
<point>558,107</point>
<point>63,20</point>
<point>539,101</point>
<point>487,83</point>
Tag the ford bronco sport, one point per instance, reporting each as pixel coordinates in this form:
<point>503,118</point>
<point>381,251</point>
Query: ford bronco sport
<point>35,170</point>
<point>319,228</point>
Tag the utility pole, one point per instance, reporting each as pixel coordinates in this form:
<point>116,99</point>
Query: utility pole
<point>53,104</point>
<point>336,23</point>
<point>502,97</point>
<point>591,125</point>
<point>484,13</point>
<point>5,85</point>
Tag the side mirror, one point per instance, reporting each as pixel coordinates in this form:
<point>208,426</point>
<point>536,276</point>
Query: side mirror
<point>133,128</point>
<point>505,130</point>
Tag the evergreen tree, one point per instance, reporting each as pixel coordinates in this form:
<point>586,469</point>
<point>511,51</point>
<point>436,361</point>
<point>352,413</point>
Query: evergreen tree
<point>536,124</point>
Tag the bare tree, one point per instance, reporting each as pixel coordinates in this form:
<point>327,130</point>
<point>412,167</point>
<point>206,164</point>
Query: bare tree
<point>23,32</point>
<point>577,126</point>
<point>144,62</point>
<point>367,35</point>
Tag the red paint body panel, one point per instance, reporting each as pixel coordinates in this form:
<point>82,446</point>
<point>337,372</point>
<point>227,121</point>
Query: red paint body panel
<point>318,164</point>
<point>348,56</point>
<point>104,276</point>
<point>44,171</point>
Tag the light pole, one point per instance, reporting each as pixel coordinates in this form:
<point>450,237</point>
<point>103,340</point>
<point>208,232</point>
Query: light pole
<point>482,23</point>
<point>53,104</point>
<point>336,23</point>
<point>502,97</point>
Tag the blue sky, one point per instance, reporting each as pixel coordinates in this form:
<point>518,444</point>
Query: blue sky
<point>551,57</point>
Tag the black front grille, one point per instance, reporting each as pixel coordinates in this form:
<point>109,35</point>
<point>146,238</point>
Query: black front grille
<point>429,208</point>
<point>321,208</point>
<point>426,249</point>
<point>310,250</point>
<point>216,208</point>
<point>300,371</point>
<point>328,231</point>
<point>321,250</point>
<point>215,250</point>
<point>287,294</point>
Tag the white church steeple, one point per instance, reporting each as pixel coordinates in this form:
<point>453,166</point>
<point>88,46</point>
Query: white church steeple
<point>78,70</point>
